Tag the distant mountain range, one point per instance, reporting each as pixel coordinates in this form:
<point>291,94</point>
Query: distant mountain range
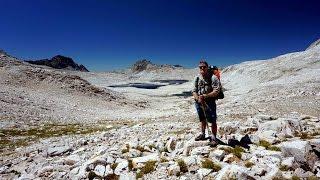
<point>147,65</point>
<point>60,62</point>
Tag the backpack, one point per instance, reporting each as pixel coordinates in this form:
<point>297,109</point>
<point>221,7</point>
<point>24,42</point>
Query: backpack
<point>210,71</point>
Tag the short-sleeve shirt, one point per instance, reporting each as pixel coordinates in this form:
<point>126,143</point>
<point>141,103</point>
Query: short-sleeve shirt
<point>206,85</point>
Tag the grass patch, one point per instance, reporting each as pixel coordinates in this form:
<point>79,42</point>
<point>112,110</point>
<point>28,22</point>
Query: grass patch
<point>268,146</point>
<point>295,178</point>
<point>164,149</point>
<point>147,168</point>
<point>183,166</point>
<point>13,138</point>
<point>114,166</point>
<point>284,168</point>
<point>162,160</point>
<point>312,178</point>
<point>237,151</point>
<point>152,146</point>
<point>248,164</point>
<point>208,164</point>
<point>264,143</point>
<point>112,177</point>
<point>274,148</point>
<point>304,135</point>
<point>227,150</point>
<point>178,132</point>
<point>125,150</point>
<point>130,164</point>
<point>91,175</point>
<point>140,148</point>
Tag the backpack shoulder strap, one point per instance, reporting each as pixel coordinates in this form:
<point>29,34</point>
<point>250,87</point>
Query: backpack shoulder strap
<point>197,83</point>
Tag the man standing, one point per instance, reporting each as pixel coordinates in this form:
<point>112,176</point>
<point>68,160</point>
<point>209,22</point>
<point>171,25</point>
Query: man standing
<point>205,90</point>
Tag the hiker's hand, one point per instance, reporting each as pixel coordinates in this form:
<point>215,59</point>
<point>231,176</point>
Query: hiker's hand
<point>201,99</point>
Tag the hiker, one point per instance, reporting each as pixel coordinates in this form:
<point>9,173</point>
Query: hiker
<point>206,89</point>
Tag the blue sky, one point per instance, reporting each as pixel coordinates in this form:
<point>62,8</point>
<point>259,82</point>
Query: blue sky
<point>113,34</point>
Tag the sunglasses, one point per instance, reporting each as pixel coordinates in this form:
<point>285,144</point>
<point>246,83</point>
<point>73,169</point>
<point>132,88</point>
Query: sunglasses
<point>202,67</point>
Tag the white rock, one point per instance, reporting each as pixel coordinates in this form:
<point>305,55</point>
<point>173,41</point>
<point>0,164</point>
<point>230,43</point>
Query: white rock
<point>100,170</point>
<point>144,159</point>
<point>264,117</point>
<point>257,170</point>
<point>174,170</point>
<point>74,171</point>
<point>183,177</point>
<point>79,150</point>
<point>271,160</point>
<point>192,144</point>
<point>260,153</point>
<point>134,143</point>
<point>302,173</point>
<point>287,174</point>
<point>82,173</point>
<point>316,168</point>
<point>110,159</point>
<point>230,158</point>
<point>127,176</point>
<point>179,145</point>
<point>267,135</point>
<point>56,151</point>
<point>298,149</point>
<point>45,171</point>
<point>108,170</point>
<point>27,177</point>
<point>200,150</point>
<point>233,172</point>
<point>273,173</point>
<point>119,160</point>
<point>188,137</point>
<point>101,150</point>
<point>218,154</point>
<point>72,159</point>
<point>202,172</point>
<point>280,128</point>
<point>171,144</point>
<point>254,139</point>
<point>97,160</point>
<point>134,153</point>
<point>246,156</point>
<point>288,162</point>
<point>122,167</point>
<point>315,143</point>
<point>229,127</point>
<point>190,160</point>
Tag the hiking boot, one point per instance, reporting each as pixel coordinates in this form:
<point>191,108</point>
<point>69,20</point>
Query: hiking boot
<point>213,144</point>
<point>201,137</point>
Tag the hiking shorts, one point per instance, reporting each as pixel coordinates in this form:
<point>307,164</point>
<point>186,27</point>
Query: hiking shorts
<point>211,112</point>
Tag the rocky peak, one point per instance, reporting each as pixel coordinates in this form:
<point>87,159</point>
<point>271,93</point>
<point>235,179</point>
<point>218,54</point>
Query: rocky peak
<point>60,62</point>
<point>4,54</point>
<point>142,65</point>
<point>147,65</point>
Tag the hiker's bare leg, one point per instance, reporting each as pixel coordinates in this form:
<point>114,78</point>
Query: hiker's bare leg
<point>214,129</point>
<point>203,126</point>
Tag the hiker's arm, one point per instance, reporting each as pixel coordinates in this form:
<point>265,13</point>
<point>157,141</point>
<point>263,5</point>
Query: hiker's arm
<point>215,86</point>
<point>195,96</point>
<point>195,90</point>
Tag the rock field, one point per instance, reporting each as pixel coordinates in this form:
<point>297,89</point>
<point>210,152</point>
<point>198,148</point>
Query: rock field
<point>58,124</point>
